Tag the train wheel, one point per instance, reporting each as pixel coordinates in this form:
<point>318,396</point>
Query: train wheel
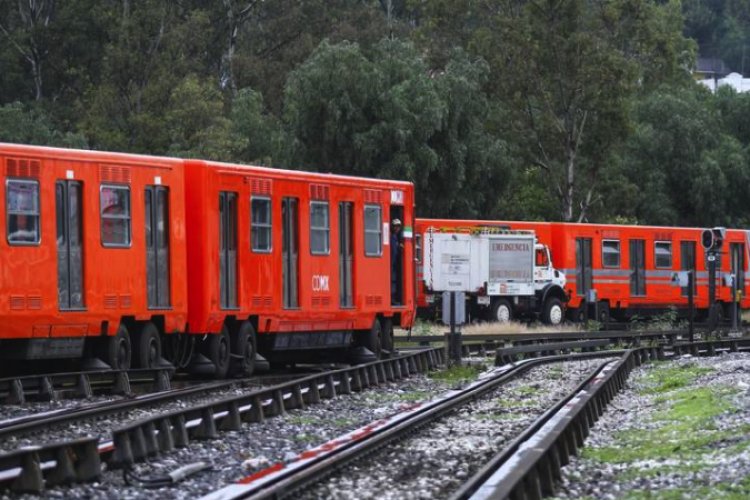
<point>501,311</point>
<point>148,347</point>
<point>217,349</point>
<point>387,334</point>
<point>553,312</point>
<point>604,314</point>
<point>244,348</point>
<point>117,351</point>
<point>372,339</point>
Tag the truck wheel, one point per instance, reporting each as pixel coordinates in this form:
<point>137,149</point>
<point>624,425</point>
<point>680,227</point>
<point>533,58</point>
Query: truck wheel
<point>501,311</point>
<point>148,347</point>
<point>244,347</point>
<point>553,311</point>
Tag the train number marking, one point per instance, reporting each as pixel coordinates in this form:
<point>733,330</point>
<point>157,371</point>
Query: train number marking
<point>320,283</point>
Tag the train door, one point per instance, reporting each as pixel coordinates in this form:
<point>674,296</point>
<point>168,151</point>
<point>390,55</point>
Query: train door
<point>157,246</point>
<point>687,263</point>
<point>68,196</point>
<point>583,266</point>
<point>637,267</point>
<point>346,254</point>
<point>397,254</point>
<point>290,252</point>
<point>737,252</point>
<point>228,249</point>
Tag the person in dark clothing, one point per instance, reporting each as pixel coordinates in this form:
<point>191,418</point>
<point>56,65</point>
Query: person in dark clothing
<point>397,246</point>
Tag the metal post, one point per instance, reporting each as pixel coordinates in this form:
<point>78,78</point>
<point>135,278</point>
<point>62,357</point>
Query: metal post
<point>691,306</point>
<point>455,335</point>
<point>734,302</point>
<point>711,278</point>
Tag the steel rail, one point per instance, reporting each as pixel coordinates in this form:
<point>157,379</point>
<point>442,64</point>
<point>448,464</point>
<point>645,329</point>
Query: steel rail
<point>33,468</point>
<point>528,467</point>
<point>50,386</point>
<point>283,480</point>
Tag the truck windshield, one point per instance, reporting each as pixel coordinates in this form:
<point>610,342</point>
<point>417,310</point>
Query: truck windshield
<point>541,258</point>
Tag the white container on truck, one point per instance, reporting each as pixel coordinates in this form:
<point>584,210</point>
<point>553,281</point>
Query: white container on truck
<point>506,274</point>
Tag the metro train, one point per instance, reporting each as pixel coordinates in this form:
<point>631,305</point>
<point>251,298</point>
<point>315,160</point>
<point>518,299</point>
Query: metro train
<point>136,259</point>
<point>630,269</point>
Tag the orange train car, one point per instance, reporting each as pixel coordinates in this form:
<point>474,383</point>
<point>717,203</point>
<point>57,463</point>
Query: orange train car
<point>630,268</point>
<point>92,259</point>
<point>292,262</point>
<point>131,258</point>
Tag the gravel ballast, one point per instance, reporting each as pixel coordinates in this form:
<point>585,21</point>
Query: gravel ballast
<point>679,429</point>
<point>236,454</point>
<point>439,458</point>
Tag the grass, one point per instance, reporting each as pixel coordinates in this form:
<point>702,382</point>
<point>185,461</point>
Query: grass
<point>665,378</point>
<point>455,374</point>
<point>422,327</point>
<point>686,429</point>
<point>739,491</point>
<point>680,438</point>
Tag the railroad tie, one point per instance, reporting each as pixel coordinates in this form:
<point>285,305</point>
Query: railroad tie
<point>297,399</point>
<point>83,387</point>
<point>365,374</point>
<point>344,383</point>
<point>179,431</point>
<point>16,395</point>
<point>46,391</point>
<point>122,383</point>
<point>149,436</point>
<point>396,367</point>
<point>232,421</point>
<point>330,388</point>
<point>313,392</point>
<point>63,472</point>
<point>138,443</point>
<point>356,380</point>
<point>207,428</point>
<point>382,378</point>
<point>373,376</point>
<point>123,454</point>
<point>166,440</point>
<point>31,479</point>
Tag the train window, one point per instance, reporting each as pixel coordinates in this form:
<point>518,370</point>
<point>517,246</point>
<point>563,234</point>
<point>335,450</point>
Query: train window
<point>663,254</point>
<point>115,215</point>
<point>260,225</point>
<point>611,253</point>
<point>22,212</point>
<point>320,228</point>
<point>373,231</point>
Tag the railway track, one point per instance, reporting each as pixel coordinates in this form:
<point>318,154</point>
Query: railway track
<point>292,478</point>
<point>77,459</point>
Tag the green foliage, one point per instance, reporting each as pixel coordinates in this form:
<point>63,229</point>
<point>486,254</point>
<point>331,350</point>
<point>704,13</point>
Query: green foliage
<point>457,373</point>
<point>32,126</point>
<point>663,378</point>
<point>502,109</point>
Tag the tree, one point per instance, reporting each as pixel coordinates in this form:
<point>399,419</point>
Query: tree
<point>567,71</point>
<point>23,125</point>
<point>689,171</point>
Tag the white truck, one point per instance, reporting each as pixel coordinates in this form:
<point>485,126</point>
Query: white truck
<point>506,274</point>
